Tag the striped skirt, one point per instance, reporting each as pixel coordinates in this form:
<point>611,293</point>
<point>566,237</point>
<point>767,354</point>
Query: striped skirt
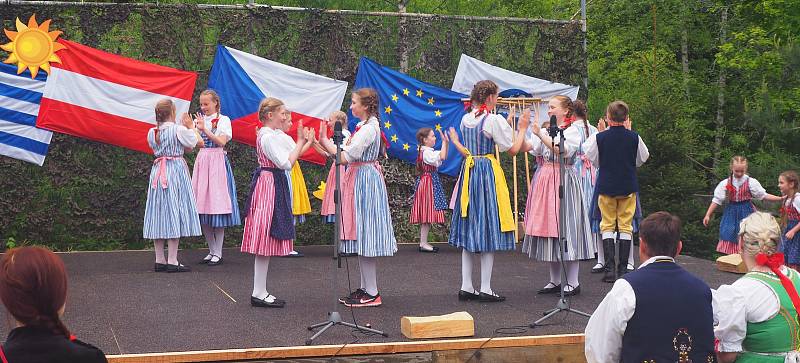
<point>542,228</point>
<point>366,220</point>
<point>171,212</point>
<point>424,210</point>
<point>328,208</point>
<point>479,231</point>
<point>588,176</point>
<point>256,238</point>
<point>729,225</point>
<point>225,220</point>
<point>791,247</point>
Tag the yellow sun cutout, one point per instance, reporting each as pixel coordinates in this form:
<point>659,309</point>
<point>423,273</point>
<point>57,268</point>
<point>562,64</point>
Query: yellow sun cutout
<point>32,46</point>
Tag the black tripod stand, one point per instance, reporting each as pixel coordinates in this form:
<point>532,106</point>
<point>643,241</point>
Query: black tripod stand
<point>563,301</point>
<point>334,318</point>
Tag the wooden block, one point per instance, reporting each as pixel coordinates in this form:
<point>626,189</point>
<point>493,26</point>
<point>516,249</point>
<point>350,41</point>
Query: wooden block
<point>732,263</point>
<point>458,324</point>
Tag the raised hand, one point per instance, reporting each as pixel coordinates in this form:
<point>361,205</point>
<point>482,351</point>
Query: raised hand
<point>601,124</point>
<point>453,135</point>
<point>511,114</point>
<point>300,130</point>
<point>627,123</point>
<point>323,130</point>
<point>200,121</point>
<point>525,120</point>
<point>187,121</point>
<point>444,137</point>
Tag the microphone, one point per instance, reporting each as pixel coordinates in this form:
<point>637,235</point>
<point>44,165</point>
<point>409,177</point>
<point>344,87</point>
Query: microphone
<point>553,129</point>
<point>338,137</point>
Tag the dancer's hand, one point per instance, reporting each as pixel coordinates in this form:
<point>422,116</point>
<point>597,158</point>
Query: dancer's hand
<point>525,120</point>
<point>300,130</point>
<point>199,121</point>
<point>601,124</point>
<point>453,134</point>
<point>323,130</point>
<point>187,121</point>
<point>511,114</point>
<point>706,219</point>
<point>790,234</point>
<point>444,137</point>
<point>627,123</point>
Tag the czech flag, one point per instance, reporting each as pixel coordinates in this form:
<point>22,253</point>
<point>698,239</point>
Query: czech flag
<point>109,98</point>
<point>242,80</point>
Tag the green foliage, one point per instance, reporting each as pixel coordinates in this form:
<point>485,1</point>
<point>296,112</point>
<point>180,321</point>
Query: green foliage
<point>91,196</point>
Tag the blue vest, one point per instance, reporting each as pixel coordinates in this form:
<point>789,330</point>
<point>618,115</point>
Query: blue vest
<point>617,147</point>
<point>673,317</point>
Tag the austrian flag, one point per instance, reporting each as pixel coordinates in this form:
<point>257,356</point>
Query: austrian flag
<point>109,98</point>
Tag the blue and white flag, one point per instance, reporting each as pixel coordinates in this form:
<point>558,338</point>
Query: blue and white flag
<point>19,105</point>
<point>408,104</point>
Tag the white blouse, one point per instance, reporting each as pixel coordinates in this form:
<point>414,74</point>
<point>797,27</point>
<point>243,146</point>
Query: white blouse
<point>359,141</point>
<point>277,146</point>
<point>591,151</point>
<point>572,140</point>
<point>756,190</point>
<point>187,137</point>
<point>794,201</point>
<point>745,301</point>
<point>223,125</point>
<point>431,157</point>
<point>495,127</point>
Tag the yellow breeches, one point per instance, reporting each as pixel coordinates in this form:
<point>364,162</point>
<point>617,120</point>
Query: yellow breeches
<point>617,212</point>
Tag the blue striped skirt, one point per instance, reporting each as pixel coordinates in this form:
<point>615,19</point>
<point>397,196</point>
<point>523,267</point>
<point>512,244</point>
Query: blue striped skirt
<point>374,231</point>
<point>171,212</point>
<point>225,220</point>
<point>480,230</point>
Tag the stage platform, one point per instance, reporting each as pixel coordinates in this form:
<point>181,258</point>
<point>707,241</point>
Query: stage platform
<point>119,304</point>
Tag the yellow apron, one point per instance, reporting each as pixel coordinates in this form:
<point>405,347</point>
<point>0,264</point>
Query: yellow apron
<point>300,203</point>
<point>501,188</point>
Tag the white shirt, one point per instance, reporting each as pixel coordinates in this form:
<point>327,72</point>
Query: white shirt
<point>223,125</point>
<point>608,322</point>
<point>495,127</point>
<point>794,201</point>
<point>359,141</point>
<point>431,156</point>
<point>756,190</point>
<point>572,140</point>
<point>346,136</point>
<point>745,301</point>
<point>277,146</point>
<point>592,152</point>
<point>187,137</point>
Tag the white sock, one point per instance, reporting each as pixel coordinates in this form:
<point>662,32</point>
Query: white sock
<point>219,237</point>
<point>555,273</point>
<point>423,234</point>
<point>572,274</point>
<point>208,233</point>
<point>159,248</point>
<point>260,267</point>
<point>172,251</point>
<point>369,273</point>
<point>466,271</point>
<point>487,262</point>
<point>601,255</point>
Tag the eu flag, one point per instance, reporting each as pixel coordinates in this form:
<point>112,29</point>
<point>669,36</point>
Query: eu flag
<point>407,105</point>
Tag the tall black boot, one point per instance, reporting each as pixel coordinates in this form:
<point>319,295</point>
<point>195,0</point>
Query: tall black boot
<point>624,253</point>
<point>608,251</point>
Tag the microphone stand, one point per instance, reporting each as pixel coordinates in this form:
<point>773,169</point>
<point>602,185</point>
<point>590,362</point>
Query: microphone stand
<point>334,318</point>
<point>563,301</point>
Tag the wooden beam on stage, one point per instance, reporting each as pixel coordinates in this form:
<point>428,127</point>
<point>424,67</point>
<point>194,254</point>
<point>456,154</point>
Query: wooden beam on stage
<point>552,346</point>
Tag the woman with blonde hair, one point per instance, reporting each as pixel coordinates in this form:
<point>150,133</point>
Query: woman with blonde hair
<point>756,316</point>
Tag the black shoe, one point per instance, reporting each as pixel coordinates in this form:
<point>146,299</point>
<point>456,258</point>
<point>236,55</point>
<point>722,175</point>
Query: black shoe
<point>263,303</point>
<point>550,290</point>
<point>493,297</point>
<point>364,301</point>
<point>353,295</point>
<point>573,292</point>
<point>347,254</point>
<point>295,254</point>
<point>434,249</point>
<point>598,268</point>
<point>160,267</point>
<point>609,276</point>
<point>204,261</point>
<point>177,268</point>
<point>467,296</point>
<point>215,263</point>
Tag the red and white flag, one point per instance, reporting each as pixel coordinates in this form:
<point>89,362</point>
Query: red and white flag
<point>105,97</point>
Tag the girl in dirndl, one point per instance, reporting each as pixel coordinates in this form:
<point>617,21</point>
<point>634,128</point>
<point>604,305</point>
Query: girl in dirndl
<point>366,219</point>
<point>212,180</point>
<point>429,200</point>
<point>269,226</point>
<point>328,208</point>
<point>482,221</point>
<point>542,227</point>
<point>738,189</point>
<point>170,211</point>
<point>789,184</point>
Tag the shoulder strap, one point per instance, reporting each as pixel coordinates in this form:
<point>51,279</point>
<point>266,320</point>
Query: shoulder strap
<point>3,355</point>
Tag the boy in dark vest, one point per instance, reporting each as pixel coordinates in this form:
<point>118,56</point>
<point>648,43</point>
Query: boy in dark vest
<point>658,313</point>
<point>617,152</point>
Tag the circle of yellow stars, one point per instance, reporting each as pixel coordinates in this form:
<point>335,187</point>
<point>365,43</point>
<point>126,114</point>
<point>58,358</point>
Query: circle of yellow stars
<point>395,98</point>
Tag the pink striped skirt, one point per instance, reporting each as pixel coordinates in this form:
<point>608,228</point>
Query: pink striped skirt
<point>210,182</point>
<point>256,238</point>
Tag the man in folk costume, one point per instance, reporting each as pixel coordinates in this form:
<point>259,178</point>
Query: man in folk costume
<point>658,313</point>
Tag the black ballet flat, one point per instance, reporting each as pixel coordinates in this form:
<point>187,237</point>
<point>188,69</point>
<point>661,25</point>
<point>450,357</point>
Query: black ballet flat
<point>484,297</point>
<point>573,292</point>
<point>432,250</point>
<point>597,270</point>
<point>177,268</point>
<point>467,296</point>
<point>263,303</point>
<point>550,290</point>
<point>217,263</point>
<point>160,267</point>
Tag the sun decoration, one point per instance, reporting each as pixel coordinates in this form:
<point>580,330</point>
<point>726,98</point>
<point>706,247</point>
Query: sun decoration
<point>32,46</point>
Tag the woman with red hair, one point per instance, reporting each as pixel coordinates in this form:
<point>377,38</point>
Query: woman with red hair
<point>33,288</point>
